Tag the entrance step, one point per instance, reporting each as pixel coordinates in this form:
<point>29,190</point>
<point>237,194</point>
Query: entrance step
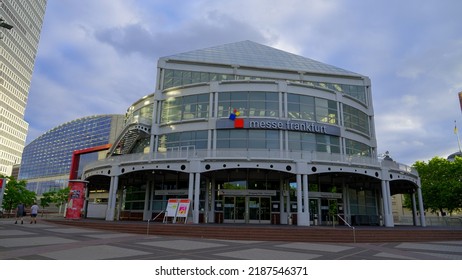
<point>339,234</point>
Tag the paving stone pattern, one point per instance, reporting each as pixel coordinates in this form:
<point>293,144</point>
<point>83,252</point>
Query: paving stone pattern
<point>50,241</point>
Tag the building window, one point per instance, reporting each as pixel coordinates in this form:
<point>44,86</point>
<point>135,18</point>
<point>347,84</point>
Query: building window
<point>176,109</point>
<point>311,109</point>
<point>249,104</point>
<point>362,201</point>
<point>356,148</point>
<point>248,139</point>
<point>143,115</point>
<point>326,111</point>
<point>141,146</point>
<point>187,139</point>
<point>301,141</point>
<point>174,78</point>
<point>355,119</point>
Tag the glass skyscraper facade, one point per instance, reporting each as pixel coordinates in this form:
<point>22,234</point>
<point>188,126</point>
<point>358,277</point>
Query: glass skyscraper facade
<point>46,161</point>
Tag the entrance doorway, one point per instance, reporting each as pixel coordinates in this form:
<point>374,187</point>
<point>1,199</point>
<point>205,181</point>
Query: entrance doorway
<point>329,210</point>
<point>259,210</point>
<point>245,209</point>
<point>234,210</point>
<point>314,212</point>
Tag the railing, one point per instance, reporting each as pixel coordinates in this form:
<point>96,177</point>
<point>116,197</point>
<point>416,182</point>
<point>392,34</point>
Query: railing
<point>350,226</point>
<point>153,219</point>
<point>189,152</point>
<point>446,221</point>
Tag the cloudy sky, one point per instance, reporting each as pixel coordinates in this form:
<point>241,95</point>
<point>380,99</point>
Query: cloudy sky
<point>99,56</point>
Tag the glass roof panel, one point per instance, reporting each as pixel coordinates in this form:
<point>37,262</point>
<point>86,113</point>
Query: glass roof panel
<point>248,53</point>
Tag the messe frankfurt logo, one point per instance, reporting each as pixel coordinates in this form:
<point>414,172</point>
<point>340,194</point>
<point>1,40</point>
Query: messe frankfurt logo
<point>277,124</point>
<point>238,123</point>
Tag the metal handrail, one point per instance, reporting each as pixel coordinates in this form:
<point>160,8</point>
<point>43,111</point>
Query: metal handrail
<point>448,219</point>
<point>350,226</point>
<point>153,219</point>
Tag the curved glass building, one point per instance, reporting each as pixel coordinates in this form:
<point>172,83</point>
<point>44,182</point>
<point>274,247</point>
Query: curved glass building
<point>252,134</point>
<point>46,161</point>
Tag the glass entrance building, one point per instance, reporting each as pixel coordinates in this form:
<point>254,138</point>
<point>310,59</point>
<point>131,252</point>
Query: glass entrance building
<point>253,134</point>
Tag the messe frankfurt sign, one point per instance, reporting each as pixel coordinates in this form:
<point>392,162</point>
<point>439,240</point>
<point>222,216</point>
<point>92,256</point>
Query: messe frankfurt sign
<point>277,124</point>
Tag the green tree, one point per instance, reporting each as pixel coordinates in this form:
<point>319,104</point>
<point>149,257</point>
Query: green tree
<point>333,206</point>
<point>15,193</point>
<point>441,184</point>
<point>60,197</point>
<point>46,199</point>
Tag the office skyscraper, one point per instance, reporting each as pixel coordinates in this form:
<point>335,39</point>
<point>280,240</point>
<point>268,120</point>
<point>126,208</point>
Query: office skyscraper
<point>18,48</point>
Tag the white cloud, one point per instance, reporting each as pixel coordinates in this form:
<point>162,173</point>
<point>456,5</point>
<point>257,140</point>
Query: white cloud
<point>400,123</point>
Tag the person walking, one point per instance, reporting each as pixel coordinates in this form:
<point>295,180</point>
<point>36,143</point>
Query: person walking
<point>33,213</point>
<point>20,212</point>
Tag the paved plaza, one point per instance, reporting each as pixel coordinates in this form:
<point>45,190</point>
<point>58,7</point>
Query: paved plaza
<point>49,241</point>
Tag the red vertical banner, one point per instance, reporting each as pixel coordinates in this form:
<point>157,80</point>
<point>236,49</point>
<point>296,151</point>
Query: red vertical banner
<point>76,199</point>
<point>1,183</point>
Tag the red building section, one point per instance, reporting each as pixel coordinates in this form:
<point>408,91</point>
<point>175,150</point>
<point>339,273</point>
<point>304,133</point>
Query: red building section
<point>76,158</point>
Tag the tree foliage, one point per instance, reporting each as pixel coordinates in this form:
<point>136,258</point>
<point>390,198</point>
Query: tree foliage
<point>46,200</point>
<point>441,182</point>
<point>62,196</point>
<point>15,193</point>
<point>57,197</point>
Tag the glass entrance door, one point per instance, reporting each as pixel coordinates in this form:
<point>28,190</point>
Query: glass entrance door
<point>234,210</point>
<point>329,210</point>
<point>259,210</point>
<point>314,212</point>
<point>242,209</point>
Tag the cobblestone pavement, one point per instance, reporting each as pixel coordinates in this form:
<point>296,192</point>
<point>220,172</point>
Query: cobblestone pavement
<point>46,241</point>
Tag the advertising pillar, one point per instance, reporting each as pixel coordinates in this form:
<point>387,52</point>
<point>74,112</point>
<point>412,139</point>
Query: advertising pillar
<point>76,199</point>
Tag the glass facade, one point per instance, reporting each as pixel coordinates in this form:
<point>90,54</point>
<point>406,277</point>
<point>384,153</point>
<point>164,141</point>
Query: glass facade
<point>312,108</point>
<point>40,187</point>
<point>248,104</point>
<point>357,148</point>
<point>184,108</point>
<point>299,141</point>
<point>50,154</point>
<point>193,139</point>
<point>262,104</point>
<point>248,139</point>
<point>355,119</point>
<point>143,114</point>
<point>175,78</point>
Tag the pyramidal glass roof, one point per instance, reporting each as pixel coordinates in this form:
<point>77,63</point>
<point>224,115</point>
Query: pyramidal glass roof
<point>251,54</point>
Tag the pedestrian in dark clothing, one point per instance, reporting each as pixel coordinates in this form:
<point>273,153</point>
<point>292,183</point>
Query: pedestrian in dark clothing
<point>20,213</point>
